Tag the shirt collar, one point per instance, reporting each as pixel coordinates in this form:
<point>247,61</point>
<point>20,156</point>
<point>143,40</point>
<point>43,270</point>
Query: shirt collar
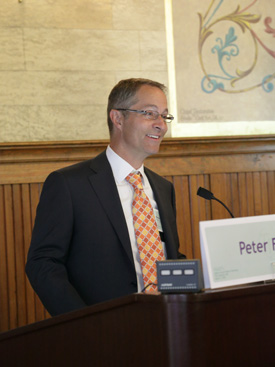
<point>120,167</point>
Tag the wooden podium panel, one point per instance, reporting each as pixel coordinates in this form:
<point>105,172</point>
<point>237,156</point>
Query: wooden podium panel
<point>228,327</point>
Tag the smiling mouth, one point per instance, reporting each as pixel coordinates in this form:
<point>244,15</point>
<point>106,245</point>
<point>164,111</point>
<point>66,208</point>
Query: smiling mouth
<point>153,136</point>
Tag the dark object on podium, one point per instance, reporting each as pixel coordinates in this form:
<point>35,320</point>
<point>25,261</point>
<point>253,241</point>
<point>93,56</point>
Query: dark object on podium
<point>228,327</point>
<point>179,276</point>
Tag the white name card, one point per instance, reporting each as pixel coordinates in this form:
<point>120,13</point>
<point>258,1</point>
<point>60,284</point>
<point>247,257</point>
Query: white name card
<point>238,251</point>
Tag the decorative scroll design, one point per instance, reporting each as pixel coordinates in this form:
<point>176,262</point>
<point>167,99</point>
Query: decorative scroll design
<point>228,49</point>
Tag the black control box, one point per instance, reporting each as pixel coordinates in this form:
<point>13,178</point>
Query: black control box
<point>179,276</point>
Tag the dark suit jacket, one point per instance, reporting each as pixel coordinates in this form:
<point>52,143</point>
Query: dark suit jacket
<point>80,252</point>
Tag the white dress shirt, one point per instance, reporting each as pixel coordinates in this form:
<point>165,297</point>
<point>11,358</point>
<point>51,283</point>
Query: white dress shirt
<point>121,169</point>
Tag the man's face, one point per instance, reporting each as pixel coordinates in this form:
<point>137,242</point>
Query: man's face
<point>141,137</point>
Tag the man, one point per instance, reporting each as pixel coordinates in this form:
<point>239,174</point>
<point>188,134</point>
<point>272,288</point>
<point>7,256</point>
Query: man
<point>84,246</point>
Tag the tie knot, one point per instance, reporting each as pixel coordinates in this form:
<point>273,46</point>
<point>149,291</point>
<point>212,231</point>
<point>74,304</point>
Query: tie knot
<point>134,178</point>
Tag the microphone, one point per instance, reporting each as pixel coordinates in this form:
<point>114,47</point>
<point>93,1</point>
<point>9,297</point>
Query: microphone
<point>208,195</point>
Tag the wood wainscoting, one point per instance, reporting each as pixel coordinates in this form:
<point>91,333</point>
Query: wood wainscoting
<point>240,171</point>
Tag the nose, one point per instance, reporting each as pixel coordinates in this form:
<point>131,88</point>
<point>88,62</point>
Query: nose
<point>160,124</point>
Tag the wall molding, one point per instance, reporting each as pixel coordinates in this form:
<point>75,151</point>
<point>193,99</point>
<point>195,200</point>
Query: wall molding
<point>32,162</point>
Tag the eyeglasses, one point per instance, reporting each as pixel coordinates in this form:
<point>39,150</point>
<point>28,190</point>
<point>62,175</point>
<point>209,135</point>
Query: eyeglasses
<point>149,114</point>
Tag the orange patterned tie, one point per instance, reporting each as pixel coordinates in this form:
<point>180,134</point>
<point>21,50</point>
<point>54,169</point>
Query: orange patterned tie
<point>146,231</point>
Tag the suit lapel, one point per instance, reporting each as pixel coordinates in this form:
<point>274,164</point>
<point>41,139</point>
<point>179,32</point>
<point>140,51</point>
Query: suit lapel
<point>103,183</point>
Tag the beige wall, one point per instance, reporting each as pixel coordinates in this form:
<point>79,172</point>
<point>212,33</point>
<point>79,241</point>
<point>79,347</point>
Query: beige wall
<point>60,58</point>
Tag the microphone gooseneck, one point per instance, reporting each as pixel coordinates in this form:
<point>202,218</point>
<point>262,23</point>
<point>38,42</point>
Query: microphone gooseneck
<point>208,195</point>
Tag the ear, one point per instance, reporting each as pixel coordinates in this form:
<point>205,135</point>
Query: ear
<point>117,118</point>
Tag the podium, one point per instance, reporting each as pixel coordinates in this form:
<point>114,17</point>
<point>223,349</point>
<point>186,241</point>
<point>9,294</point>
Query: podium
<point>226,327</point>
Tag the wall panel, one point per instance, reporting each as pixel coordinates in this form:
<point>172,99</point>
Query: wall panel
<point>4,296</point>
<point>239,171</point>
